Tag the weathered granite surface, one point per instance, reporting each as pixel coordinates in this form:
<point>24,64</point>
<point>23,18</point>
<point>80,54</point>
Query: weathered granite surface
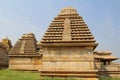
<point>68,46</point>
<point>23,55</point>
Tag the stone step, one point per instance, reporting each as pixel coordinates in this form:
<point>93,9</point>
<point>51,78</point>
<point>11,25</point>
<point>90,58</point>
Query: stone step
<point>69,75</point>
<point>91,73</point>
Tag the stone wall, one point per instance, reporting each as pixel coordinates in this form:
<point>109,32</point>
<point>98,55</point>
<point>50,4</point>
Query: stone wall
<point>3,58</point>
<point>25,63</point>
<point>112,70</point>
<point>73,58</point>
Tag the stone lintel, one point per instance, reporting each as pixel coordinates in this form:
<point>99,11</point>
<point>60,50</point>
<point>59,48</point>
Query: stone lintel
<point>108,59</point>
<point>37,55</point>
<point>82,41</point>
<point>70,44</point>
<point>63,60</point>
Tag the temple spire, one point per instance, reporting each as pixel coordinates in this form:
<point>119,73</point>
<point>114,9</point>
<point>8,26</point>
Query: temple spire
<point>69,26</point>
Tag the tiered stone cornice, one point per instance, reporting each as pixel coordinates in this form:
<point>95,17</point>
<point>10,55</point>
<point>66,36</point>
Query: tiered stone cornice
<point>78,29</point>
<point>25,45</point>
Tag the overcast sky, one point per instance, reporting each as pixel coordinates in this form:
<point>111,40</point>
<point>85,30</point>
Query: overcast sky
<point>23,16</point>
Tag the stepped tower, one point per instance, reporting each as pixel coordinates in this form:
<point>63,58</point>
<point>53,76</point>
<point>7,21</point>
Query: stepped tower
<point>68,46</point>
<point>23,55</point>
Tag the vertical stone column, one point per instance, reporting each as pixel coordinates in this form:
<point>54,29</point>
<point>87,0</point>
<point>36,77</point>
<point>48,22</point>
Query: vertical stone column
<point>22,49</point>
<point>67,30</point>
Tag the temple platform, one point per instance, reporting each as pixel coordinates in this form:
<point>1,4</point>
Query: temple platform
<point>84,75</point>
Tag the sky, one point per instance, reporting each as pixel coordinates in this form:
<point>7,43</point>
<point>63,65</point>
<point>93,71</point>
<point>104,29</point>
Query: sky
<point>18,17</point>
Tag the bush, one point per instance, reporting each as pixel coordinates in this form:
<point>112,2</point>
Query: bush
<point>108,78</point>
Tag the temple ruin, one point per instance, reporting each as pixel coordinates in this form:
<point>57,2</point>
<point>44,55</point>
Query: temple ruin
<point>67,49</point>
<point>5,46</point>
<point>103,63</point>
<point>24,56</point>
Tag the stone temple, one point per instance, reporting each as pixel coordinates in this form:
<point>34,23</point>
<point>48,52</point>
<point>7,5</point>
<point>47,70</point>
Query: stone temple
<point>68,46</point>
<point>67,49</point>
<point>24,56</point>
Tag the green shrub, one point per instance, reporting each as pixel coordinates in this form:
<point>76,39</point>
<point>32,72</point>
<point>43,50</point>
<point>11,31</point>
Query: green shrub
<point>108,78</point>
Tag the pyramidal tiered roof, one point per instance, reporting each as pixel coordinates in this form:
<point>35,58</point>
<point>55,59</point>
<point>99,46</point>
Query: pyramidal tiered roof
<point>68,26</point>
<point>25,45</point>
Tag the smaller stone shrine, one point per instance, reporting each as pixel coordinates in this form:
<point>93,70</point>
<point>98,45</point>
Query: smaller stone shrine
<point>23,55</point>
<point>104,63</point>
